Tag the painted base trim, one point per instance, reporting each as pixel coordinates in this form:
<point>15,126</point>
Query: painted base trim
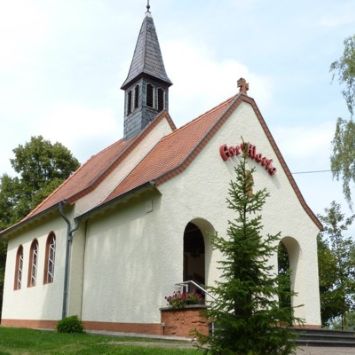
<point>143,328</point>
<point>29,323</point>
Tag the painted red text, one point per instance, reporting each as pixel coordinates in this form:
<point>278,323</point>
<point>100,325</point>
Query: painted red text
<point>230,152</point>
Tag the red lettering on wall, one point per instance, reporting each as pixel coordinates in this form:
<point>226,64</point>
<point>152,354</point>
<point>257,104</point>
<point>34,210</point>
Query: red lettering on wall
<point>223,150</point>
<point>229,152</point>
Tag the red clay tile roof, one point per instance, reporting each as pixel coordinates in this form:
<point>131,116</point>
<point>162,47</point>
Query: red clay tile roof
<point>174,153</point>
<point>168,158</point>
<point>90,174</point>
<point>84,177</point>
<point>172,150</point>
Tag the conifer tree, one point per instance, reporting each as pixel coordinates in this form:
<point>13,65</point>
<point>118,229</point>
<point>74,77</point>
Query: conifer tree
<point>248,317</point>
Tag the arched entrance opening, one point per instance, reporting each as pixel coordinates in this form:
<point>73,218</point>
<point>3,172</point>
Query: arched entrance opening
<point>285,273</point>
<point>287,258</point>
<point>194,254</point>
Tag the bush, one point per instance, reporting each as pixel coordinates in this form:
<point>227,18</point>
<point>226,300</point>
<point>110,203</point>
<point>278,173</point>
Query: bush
<point>70,324</point>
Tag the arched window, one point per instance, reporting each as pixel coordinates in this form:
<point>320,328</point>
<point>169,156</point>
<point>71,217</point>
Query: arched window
<point>33,264</point>
<point>129,102</point>
<point>18,268</point>
<point>160,99</point>
<point>150,95</point>
<point>136,96</point>
<point>49,260</point>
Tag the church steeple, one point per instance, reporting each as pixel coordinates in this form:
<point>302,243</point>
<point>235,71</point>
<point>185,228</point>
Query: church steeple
<point>147,84</point>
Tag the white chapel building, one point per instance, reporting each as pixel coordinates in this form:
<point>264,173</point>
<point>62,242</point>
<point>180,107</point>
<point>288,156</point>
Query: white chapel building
<point>134,220</point>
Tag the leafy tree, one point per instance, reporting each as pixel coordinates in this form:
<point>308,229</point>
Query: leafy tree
<point>40,166</point>
<point>331,300</point>
<point>349,321</point>
<point>248,316</point>
<point>343,156</point>
<point>344,68</point>
<point>337,265</point>
<point>9,196</point>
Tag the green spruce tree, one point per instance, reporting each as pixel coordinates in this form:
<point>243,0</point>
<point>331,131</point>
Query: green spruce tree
<point>248,317</point>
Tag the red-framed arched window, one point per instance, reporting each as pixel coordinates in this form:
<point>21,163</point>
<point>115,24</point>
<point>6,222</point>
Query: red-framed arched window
<point>18,268</point>
<point>33,264</point>
<point>49,260</point>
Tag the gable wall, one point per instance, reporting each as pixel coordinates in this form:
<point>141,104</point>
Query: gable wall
<point>125,167</point>
<point>201,191</point>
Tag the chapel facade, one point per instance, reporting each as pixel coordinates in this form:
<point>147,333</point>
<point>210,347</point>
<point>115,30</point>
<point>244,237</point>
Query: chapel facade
<point>134,221</point>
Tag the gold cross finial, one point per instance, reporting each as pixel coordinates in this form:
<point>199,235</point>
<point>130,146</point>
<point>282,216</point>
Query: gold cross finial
<point>243,86</point>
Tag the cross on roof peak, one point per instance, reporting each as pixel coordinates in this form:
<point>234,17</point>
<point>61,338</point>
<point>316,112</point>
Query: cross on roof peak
<point>148,6</point>
<point>243,86</point>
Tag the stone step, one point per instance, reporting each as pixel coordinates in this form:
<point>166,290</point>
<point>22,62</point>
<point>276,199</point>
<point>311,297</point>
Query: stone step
<point>325,337</point>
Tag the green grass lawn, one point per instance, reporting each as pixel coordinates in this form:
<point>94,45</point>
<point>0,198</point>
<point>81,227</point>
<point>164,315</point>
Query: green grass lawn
<point>28,341</point>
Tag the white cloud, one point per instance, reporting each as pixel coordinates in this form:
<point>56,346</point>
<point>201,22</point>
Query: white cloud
<point>305,142</point>
<point>333,21</point>
<point>23,26</point>
<point>76,127</point>
<point>201,81</point>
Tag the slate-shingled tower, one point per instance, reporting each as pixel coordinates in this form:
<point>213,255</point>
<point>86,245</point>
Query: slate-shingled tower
<point>147,84</point>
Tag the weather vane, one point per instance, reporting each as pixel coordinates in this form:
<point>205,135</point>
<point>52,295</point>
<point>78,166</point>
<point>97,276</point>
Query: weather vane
<point>148,6</point>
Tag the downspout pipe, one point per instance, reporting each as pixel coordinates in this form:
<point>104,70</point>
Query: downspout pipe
<point>70,234</point>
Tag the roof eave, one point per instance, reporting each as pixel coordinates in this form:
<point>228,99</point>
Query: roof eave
<point>146,187</point>
<point>128,82</point>
<point>6,233</point>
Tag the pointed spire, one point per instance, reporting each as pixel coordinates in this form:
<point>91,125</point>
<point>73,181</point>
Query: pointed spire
<point>147,58</point>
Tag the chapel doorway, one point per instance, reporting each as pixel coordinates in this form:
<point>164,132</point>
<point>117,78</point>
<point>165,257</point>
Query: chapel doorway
<point>284,271</point>
<point>288,259</point>
<point>194,254</point>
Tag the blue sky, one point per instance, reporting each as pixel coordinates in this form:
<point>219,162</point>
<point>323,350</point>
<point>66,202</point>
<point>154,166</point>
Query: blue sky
<point>62,64</point>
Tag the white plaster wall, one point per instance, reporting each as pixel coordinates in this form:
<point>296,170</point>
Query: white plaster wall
<point>202,189</point>
<point>125,167</point>
<point>134,258</point>
<point>43,301</point>
<point>127,266</point>
<point>76,271</point>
